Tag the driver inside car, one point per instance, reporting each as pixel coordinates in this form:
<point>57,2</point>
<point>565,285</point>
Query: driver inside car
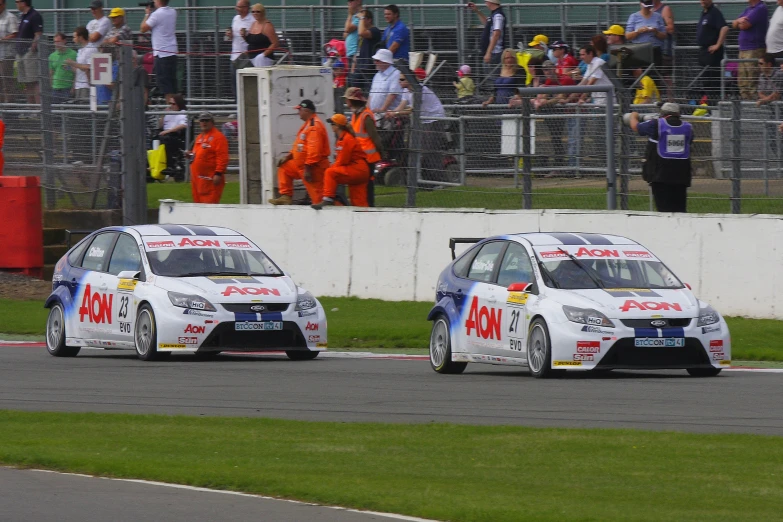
<point>570,275</point>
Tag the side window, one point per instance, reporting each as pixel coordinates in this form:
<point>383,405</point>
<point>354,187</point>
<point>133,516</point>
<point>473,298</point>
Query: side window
<point>97,255</point>
<point>463,263</point>
<point>73,258</point>
<point>483,265</point>
<point>516,266</point>
<point>125,256</point>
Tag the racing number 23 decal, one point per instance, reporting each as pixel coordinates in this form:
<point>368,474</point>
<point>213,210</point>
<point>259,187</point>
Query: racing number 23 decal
<point>123,314</point>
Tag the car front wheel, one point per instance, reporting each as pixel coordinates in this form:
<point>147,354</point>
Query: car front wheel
<point>146,335</point>
<point>440,348</point>
<point>55,334</point>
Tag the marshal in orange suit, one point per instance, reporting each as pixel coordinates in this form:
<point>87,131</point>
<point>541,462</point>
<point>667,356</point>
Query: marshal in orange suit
<point>209,161</point>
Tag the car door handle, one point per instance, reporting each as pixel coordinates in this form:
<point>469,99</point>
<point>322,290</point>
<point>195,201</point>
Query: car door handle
<point>492,300</point>
<point>103,287</point>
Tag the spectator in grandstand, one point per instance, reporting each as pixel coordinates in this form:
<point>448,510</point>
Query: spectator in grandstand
<point>9,26</point>
<point>601,46</point>
<point>752,25</point>
<point>396,37</point>
<point>351,29</point>
<point>349,168</point>
<point>261,38</point>
<point>615,35</point>
<point>60,74</point>
<point>162,24</point>
<point>385,91</point>
<point>770,80</point>
<point>508,83</point>
<point>667,168</point>
<point>119,31</point>
<point>433,139</point>
<point>593,76</point>
<point>209,162</point>
<point>493,38</point>
<point>565,64</point>
<point>647,26</point>
<point>464,84</point>
<point>242,20</point>
<point>547,103</point>
<point>99,26</point>
<point>668,19</point>
<point>81,88</point>
<point>30,31</point>
<point>172,131</point>
<point>647,91</point>
<point>774,38</point>
<point>308,159</point>
<point>710,36</point>
<point>362,67</point>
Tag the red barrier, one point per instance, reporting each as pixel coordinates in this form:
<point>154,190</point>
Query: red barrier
<point>21,233</point>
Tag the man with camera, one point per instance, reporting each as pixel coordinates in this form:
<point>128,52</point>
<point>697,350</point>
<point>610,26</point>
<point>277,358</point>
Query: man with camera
<point>161,21</point>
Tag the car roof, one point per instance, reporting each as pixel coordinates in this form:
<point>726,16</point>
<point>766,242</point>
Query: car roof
<point>572,238</point>
<point>181,230</point>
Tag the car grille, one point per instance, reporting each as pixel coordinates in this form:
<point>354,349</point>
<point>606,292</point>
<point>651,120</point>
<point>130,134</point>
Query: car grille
<point>647,323</point>
<point>244,308</point>
<point>623,354</point>
<point>224,336</point>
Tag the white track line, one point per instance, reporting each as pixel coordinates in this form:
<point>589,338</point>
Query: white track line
<point>239,494</point>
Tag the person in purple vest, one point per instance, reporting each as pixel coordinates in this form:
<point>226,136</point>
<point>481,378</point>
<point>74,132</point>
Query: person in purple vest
<point>667,166</point>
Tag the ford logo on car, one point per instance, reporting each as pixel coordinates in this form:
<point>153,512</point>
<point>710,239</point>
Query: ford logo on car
<point>658,323</point>
<point>258,308</point>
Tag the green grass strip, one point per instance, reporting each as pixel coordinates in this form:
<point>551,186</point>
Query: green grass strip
<point>440,471</point>
<point>402,326</point>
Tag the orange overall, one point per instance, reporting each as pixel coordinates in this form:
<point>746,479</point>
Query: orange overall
<point>349,168</point>
<point>311,149</point>
<point>2,139</point>
<point>210,157</point>
<point>358,121</point>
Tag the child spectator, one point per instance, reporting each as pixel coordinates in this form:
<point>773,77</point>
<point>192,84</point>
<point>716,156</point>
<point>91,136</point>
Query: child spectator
<point>464,83</point>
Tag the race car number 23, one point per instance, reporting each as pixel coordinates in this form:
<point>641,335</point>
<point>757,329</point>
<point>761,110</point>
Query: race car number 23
<point>123,313</point>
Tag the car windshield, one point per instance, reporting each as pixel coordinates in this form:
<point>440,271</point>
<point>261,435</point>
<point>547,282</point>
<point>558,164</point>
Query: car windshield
<point>191,262</point>
<point>608,274</point>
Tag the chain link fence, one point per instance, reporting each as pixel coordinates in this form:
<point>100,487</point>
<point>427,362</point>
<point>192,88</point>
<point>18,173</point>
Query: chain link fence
<point>493,156</point>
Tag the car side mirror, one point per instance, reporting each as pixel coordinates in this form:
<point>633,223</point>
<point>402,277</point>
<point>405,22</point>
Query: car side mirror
<point>520,287</point>
<point>129,274</point>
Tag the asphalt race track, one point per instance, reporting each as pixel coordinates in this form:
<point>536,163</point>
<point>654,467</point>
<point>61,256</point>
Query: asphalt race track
<point>387,390</point>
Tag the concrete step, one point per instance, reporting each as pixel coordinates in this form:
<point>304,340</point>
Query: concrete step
<point>81,219</point>
<point>54,236</point>
<point>53,253</point>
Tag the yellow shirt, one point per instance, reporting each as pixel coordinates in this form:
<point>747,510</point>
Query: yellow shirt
<point>465,87</point>
<point>647,90</point>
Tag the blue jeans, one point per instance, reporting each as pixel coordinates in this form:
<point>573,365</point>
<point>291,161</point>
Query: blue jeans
<point>574,134</point>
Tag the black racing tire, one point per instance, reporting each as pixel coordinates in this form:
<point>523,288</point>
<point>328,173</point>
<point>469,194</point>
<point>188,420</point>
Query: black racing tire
<point>145,334</point>
<point>539,350</point>
<point>452,173</point>
<point>395,177</point>
<point>55,334</point>
<point>703,372</point>
<point>301,355</point>
<point>440,348</point>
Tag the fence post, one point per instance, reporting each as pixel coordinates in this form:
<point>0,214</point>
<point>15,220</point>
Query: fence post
<point>611,174</point>
<point>132,142</point>
<point>46,122</point>
<point>736,153</point>
<point>625,152</point>
<point>527,167</point>
<point>414,167</point>
<point>188,32</point>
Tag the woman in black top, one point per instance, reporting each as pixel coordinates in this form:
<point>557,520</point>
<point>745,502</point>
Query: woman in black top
<point>261,38</point>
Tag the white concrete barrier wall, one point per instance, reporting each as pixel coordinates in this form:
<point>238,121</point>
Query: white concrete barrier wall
<point>730,261</point>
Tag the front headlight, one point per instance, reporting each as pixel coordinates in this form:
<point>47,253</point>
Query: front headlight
<point>707,315</point>
<point>586,316</point>
<point>195,302</point>
<point>305,301</point>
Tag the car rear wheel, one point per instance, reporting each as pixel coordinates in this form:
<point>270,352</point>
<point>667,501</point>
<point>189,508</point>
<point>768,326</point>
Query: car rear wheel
<point>146,335</point>
<point>539,350</point>
<point>55,334</point>
<point>301,355</point>
<point>704,372</point>
<point>440,348</point>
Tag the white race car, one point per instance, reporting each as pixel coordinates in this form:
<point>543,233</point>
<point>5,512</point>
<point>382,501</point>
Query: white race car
<point>556,301</point>
<point>160,289</point>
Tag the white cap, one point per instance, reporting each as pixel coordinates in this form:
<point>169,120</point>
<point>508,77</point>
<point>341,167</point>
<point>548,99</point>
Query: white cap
<point>384,55</point>
<point>670,108</point>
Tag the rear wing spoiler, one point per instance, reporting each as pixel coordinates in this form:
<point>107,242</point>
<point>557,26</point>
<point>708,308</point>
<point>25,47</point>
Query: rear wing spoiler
<point>458,240</point>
